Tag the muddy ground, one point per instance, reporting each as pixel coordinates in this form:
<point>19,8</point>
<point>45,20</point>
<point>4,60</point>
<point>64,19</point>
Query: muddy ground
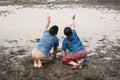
<point>101,66</point>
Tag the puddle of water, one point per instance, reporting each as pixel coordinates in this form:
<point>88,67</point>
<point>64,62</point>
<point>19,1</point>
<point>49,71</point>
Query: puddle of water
<point>28,23</point>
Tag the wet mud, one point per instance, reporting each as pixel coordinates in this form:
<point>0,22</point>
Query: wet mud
<point>100,66</point>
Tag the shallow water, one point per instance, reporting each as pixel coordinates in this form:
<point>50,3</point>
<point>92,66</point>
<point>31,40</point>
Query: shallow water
<point>27,23</point>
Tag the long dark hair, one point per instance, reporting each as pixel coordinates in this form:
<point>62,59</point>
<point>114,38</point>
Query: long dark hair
<point>68,33</point>
<point>53,30</point>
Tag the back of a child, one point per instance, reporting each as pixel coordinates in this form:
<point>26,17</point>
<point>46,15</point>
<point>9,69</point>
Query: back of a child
<point>41,51</point>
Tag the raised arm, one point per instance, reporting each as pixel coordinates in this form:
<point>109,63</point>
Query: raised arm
<point>48,22</point>
<point>73,21</point>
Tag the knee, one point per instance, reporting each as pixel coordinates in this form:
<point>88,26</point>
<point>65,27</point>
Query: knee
<point>65,60</point>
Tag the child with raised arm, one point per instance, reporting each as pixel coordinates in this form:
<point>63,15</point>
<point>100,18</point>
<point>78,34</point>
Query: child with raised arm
<point>41,52</point>
<point>73,51</point>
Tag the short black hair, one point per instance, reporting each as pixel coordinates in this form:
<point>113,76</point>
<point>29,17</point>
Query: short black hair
<point>68,33</point>
<point>53,30</point>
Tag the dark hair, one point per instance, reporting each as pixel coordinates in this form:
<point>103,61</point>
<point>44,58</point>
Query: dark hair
<point>68,33</point>
<point>53,30</point>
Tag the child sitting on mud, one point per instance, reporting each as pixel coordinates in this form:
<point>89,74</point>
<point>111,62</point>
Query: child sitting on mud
<point>76,51</point>
<point>41,52</point>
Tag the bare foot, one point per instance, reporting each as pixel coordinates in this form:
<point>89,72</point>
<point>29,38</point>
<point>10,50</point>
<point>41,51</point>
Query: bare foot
<point>80,62</point>
<point>75,66</point>
<point>80,66</point>
<point>35,63</point>
<point>39,64</point>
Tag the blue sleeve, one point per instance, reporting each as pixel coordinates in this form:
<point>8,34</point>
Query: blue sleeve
<point>64,46</point>
<point>45,31</point>
<point>73,31</point>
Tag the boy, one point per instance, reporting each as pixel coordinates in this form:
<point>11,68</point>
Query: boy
<point>41,52</point>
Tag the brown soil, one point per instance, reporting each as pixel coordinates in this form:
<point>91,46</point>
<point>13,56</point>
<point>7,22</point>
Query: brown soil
<point>96,67</point>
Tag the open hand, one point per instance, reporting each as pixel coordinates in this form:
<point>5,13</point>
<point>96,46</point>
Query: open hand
<point>73,17</point>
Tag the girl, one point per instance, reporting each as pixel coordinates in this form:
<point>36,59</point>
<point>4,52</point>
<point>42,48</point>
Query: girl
<point>76,51</point>
<point>41,51</point>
